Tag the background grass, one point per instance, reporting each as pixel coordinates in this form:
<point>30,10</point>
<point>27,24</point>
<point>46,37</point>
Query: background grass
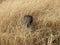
<point>45,29</point>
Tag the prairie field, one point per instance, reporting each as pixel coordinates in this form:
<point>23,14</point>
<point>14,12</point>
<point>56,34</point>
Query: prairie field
<point>43,30</point>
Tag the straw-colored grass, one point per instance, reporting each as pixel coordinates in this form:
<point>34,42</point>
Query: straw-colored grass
<point>45,29</point>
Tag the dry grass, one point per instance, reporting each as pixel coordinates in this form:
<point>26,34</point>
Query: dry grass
<point>46,22</point>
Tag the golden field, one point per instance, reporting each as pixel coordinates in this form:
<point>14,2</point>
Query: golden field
<point>45,29</point>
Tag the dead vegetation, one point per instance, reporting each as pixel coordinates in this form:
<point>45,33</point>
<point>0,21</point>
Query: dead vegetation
<point>45,28</point>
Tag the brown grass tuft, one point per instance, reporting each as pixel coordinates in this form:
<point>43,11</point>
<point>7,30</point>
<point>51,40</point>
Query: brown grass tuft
<point>45,28</point>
